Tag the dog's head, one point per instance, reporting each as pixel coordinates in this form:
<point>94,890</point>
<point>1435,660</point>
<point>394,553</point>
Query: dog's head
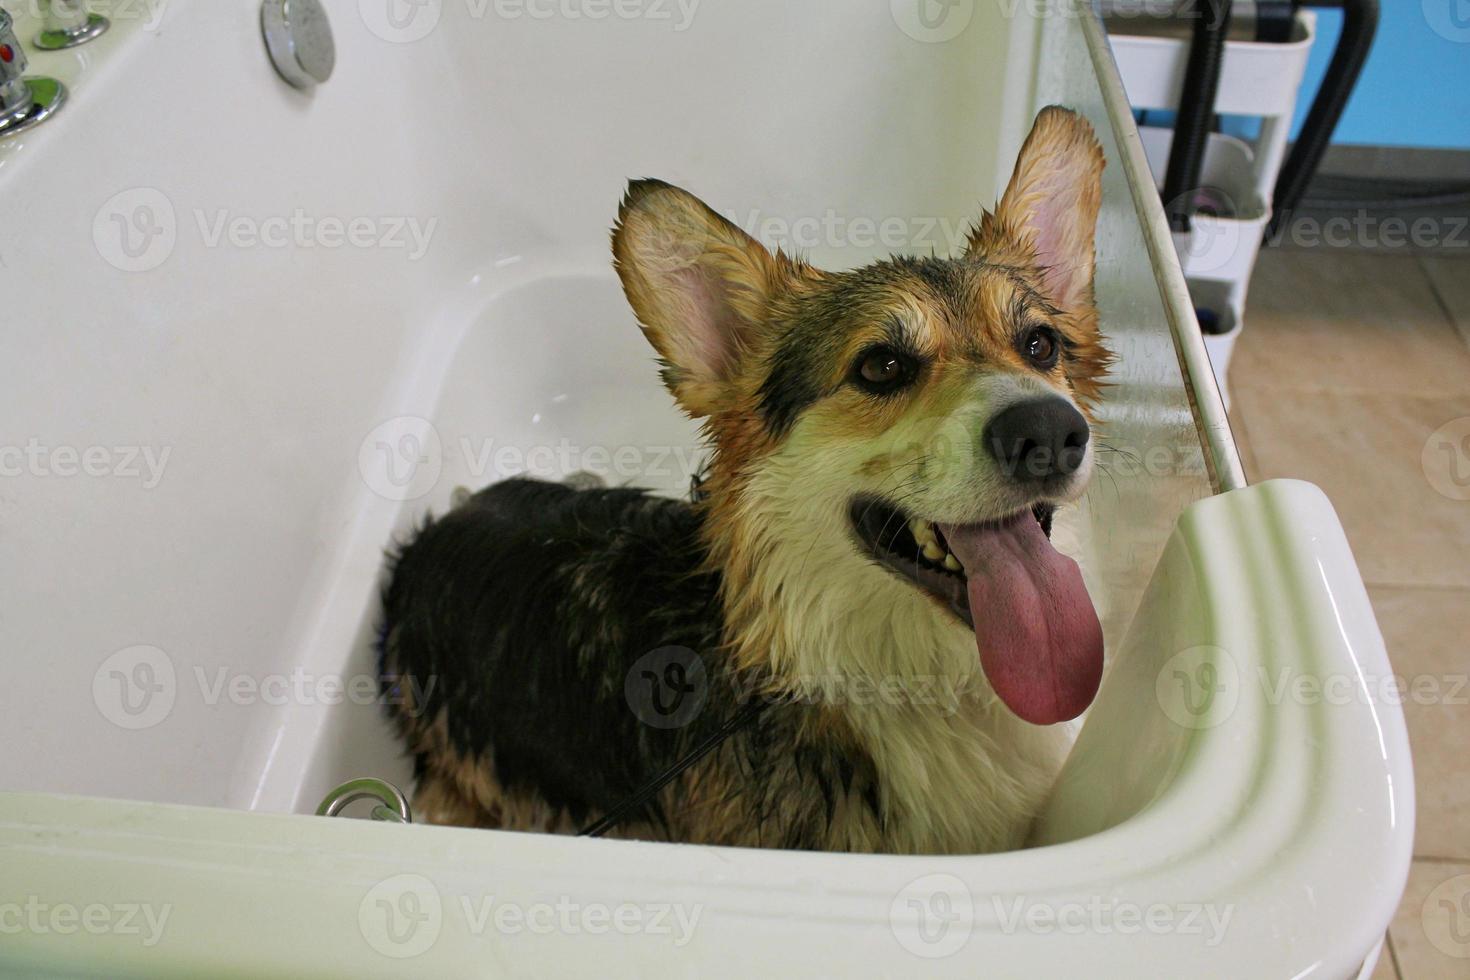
<point>902,431</point>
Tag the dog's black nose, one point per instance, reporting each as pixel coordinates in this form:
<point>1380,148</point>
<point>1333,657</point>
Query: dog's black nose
<point>1037,439</point>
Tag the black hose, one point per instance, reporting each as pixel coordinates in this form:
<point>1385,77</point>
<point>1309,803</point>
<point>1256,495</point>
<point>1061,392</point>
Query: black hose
<point>1359,24</point>
<point>1275,20</point>
<point>1196,109</point>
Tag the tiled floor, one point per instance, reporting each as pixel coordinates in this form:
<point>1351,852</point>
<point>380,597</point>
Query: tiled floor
<point>1348,367</point>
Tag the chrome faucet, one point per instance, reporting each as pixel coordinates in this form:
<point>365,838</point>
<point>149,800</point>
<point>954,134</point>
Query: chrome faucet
<point>15,94</point>
<point>66,23</point>
<point>24,101</point>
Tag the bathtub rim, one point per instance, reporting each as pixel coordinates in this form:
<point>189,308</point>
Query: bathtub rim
<point>234,877</point>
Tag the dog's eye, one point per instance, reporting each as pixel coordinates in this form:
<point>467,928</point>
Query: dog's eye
<point>1041,347</point>
<point>882,370</point>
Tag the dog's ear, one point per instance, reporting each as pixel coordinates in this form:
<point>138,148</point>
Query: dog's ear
<point>1049,211</point>
<point>699,285</point>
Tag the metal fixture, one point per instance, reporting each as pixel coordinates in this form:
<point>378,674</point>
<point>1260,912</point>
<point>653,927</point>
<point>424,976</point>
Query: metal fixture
<point>66,23</point>
<point>299,39</point>
<point>15,94</point>
<point>392,804</point>
<point>24,102</point>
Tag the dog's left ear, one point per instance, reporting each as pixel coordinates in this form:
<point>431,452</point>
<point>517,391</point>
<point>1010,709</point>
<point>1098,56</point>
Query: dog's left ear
<point>700,287</point>
<point>1048,213</point>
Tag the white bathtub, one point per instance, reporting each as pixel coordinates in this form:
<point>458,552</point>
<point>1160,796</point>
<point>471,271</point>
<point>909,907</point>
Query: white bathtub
<point>186,621</point>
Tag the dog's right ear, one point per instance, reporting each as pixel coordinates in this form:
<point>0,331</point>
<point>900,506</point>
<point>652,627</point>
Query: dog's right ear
<point>1048,213</point>
<point>700,287</point>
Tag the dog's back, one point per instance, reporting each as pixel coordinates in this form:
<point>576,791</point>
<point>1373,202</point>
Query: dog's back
<point>510,626</point>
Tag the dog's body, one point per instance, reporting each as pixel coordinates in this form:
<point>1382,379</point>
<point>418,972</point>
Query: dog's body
<point>536,731</point>
<point>844,410</point>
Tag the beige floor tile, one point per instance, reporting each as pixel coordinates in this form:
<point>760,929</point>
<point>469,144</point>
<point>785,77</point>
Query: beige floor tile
<point>1384,969</point>
<point>1431,931</point>
<point>1427,631</point>
<point>1348,321</point>
<point>1368,453</point>
<point>1401,230</point>
<point>1243,444</point>
<point>1451,278</point>
<point>1347,367</point>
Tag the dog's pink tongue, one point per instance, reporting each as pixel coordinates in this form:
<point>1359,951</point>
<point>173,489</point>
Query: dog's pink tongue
<point>1040,641</point>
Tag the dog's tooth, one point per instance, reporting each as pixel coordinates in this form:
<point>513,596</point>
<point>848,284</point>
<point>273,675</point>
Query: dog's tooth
<point>921,531</point>
<point>928,541</point>
<point>953,564</point>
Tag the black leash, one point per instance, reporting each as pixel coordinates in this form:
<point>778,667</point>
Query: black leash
<point>639,799</point>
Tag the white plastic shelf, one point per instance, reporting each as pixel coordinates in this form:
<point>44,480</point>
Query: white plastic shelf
<point>1257,78</point>
<point>1219,247</point>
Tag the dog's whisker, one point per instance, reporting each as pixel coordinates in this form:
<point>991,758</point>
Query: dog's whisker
<point>801,569</point>
<point>1102,447</point>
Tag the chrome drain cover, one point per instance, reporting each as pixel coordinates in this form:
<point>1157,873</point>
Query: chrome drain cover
<point>299,39</point>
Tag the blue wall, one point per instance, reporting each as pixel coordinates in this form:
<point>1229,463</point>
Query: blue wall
<point>1415,88</point>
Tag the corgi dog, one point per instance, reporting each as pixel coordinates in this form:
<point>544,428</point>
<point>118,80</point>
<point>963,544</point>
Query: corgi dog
<point>866,560</point>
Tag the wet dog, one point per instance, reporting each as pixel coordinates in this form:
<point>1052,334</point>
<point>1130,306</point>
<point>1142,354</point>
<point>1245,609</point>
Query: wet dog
<point>867,560</point>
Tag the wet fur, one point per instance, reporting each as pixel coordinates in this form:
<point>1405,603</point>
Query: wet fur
<point>530,604</point>
<point>535,731</point>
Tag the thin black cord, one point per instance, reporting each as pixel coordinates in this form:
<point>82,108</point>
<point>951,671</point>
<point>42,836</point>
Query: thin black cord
<point>640,798</point>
